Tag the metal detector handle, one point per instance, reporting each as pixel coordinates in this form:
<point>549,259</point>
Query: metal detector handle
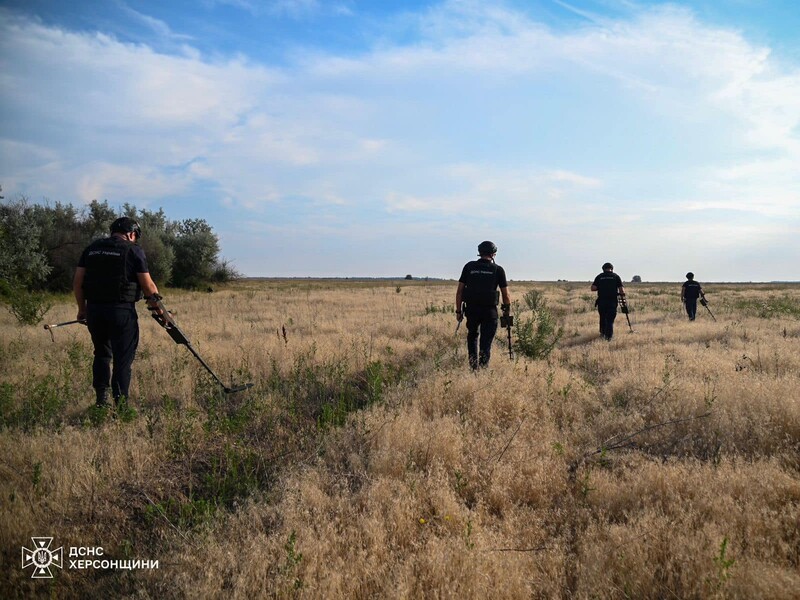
<point>623,304</point>
<point>507,321</point>
<point>52,326</point>
<point>164,318</point>
<point>159,312</point>
<point>461,312</point>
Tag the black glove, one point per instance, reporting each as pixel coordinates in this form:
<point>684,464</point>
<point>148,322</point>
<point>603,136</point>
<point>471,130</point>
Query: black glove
<point>157,309</point>
<point>506,308</point>
<point>153,299</point>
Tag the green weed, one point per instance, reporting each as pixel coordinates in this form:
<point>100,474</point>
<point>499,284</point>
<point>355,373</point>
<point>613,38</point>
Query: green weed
<point>538,333</point>
<point>445,308</point>
<point>36,477</point>
<point>293,559</point>
<point>772,307</point>
<point>183,515</point>
<point>724,563</point>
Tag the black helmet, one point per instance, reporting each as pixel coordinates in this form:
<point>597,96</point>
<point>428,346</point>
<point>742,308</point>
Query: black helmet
<point>487,248</point>
<point>126,225</point>
<point>690,275</point>
<point>608,267</point>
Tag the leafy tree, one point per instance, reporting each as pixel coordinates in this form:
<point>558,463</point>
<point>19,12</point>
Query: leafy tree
<point>158,241</point>
<point>62,240</point>
<point>101,216</point>
<point>40,245</point>
<point>23,262</point>
<point>224,271</point>
<point>196,250</point>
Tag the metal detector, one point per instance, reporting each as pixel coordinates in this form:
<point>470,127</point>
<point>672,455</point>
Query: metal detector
<point>623,306</point>
<point>461,319</point>
<point>704,302</point>
<point>52,326</point>
<point>507,321</point>
<point>164,318</point>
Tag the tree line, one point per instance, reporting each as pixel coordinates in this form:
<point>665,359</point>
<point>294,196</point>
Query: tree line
<point>40,245</point>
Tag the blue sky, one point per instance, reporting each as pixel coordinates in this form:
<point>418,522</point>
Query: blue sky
<point>348,138</point>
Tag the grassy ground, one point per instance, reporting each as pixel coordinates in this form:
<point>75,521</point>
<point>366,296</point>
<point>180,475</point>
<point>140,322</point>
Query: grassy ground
<point>367,461</point>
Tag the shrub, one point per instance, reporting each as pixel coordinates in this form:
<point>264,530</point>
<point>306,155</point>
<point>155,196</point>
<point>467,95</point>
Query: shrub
<point>29,308</point>
<point>538,333</point>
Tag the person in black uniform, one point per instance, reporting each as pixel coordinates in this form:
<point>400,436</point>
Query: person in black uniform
<point>608,286</point>
<point>111,276</point>
<point>690,292</point>
<point>477,291</point>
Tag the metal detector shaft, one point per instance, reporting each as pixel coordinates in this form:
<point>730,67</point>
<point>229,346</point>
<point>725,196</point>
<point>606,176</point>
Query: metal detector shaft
<point>507,321</point>
<point>228,390</point>
<point>704,302</point>
<point>625,310</point>
<point>52,326</point>
<point>160,313</point>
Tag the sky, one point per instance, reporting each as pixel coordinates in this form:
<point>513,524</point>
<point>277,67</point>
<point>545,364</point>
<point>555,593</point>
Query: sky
<point>343,138</point>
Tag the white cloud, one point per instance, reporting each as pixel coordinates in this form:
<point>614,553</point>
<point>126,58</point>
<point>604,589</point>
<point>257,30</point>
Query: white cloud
<point>101,181</point>
<point>488,110</point>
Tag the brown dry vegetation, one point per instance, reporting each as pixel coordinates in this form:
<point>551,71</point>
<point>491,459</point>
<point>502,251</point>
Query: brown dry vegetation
<point>368,462</point>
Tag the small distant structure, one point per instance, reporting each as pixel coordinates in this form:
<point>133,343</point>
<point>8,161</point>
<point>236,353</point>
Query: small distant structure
<point>409,277</point>
<point>636,279</point>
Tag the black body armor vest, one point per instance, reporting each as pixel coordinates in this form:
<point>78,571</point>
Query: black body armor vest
<point>691,290</point>
<point>480,289</point>
<point>106,279</point>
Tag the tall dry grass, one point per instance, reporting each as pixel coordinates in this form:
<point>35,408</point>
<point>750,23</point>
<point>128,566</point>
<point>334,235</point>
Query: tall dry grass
<point>367,461</point>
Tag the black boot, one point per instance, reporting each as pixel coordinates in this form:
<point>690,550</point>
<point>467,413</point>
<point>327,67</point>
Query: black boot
<point>102,398</point>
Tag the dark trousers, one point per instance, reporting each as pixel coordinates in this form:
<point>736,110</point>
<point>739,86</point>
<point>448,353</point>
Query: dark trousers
<point>607,316</point>
<point>691,307</point>
<point>115,334</point>
<point>481,322</point>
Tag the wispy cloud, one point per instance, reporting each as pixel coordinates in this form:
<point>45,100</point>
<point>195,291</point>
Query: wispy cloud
<point>295,9</point>
<point>482,109</point>
<point>157,26</point>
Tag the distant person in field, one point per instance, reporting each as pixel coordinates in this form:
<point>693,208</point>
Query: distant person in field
<point>111,276</point>
<point>477,298</point>
<point>690,292</point>
<point>608,286</point>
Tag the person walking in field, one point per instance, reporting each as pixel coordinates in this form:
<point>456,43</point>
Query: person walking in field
<point>477,298</point>
<point>111,276</point>
<point>690,292</point>
<point>608,286</point>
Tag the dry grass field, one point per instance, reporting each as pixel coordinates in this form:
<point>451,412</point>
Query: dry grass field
<point>368,462</point>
